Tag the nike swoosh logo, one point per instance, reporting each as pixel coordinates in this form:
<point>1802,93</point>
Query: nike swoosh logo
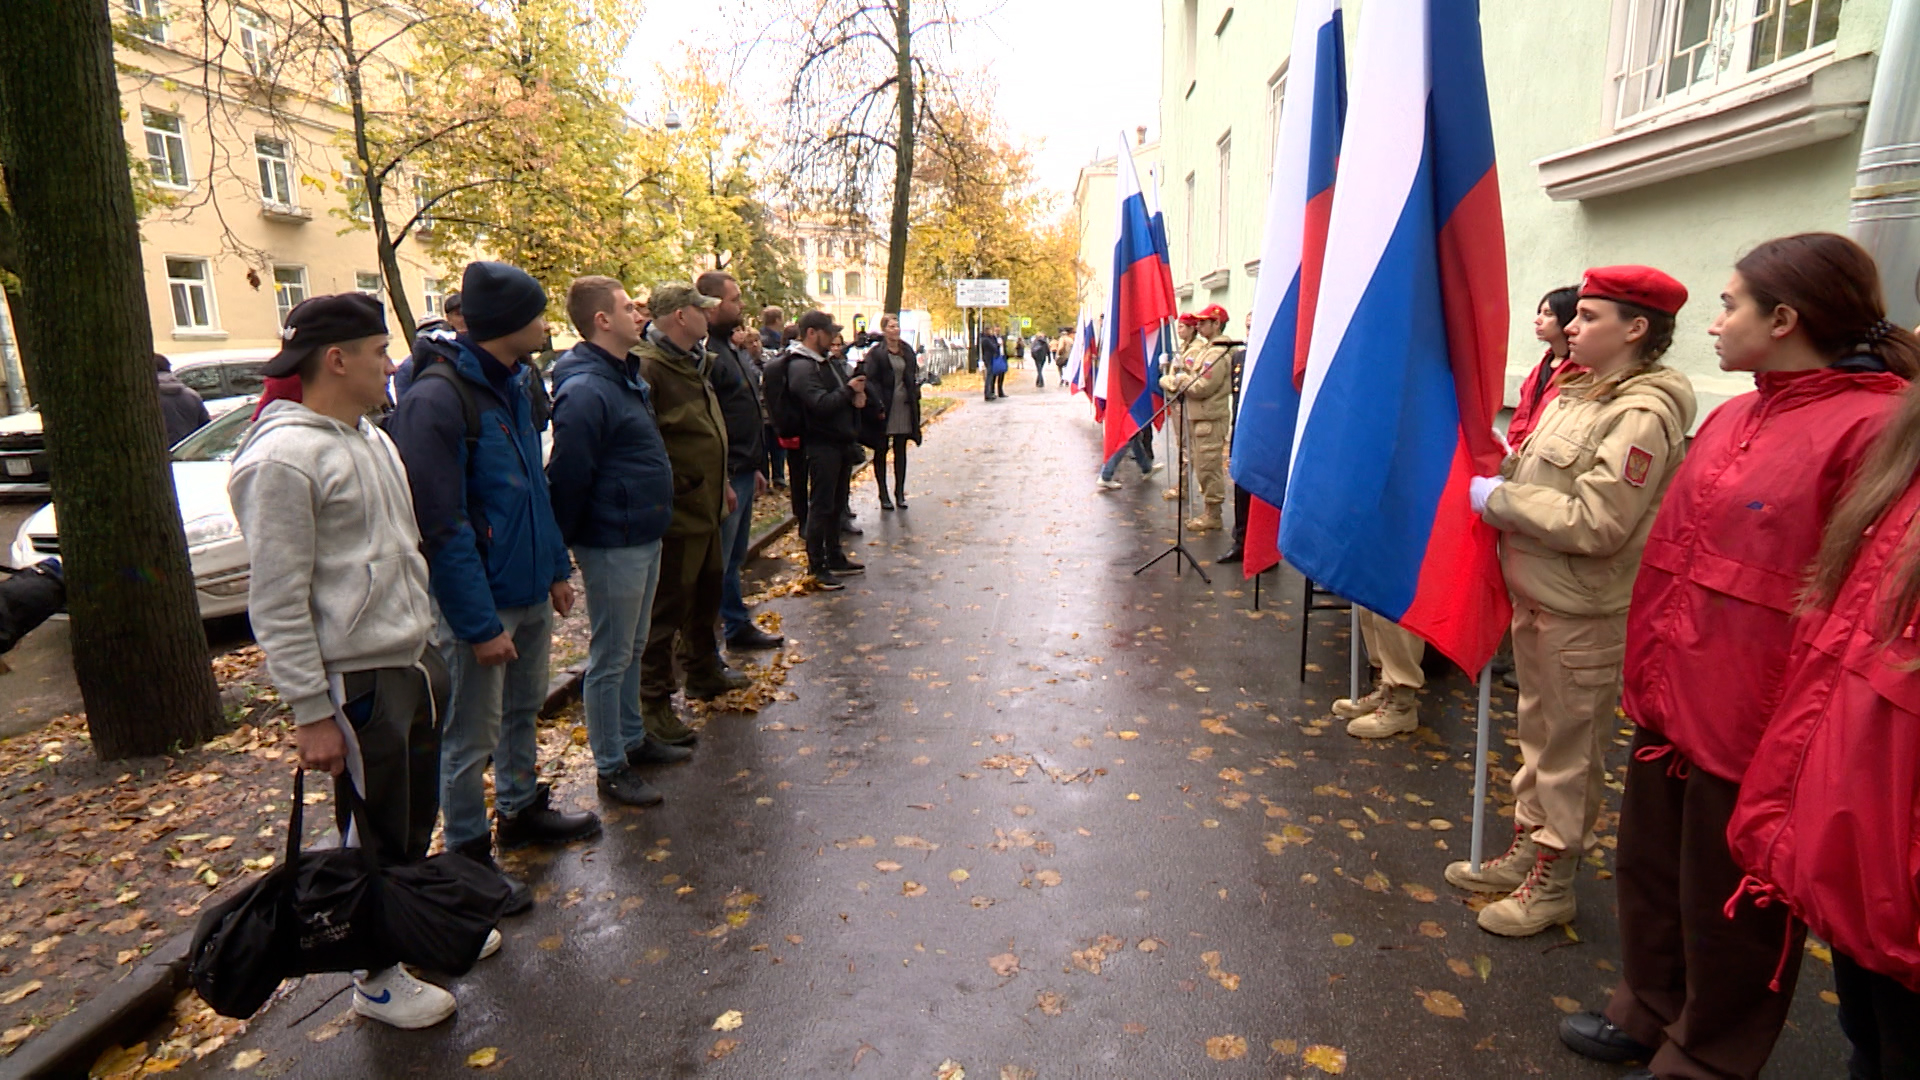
<point>385,996</point>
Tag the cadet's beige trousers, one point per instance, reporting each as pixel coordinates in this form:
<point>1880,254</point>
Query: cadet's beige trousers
<point>1568,667</point>
<point>1397,652</point>
<point>1207,442</point>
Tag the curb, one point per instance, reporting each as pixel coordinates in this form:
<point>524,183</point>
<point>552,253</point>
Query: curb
<point>119,1016</point>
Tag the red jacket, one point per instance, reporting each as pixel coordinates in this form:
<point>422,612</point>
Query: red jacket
<point>1535,394</point>
<point>1829,815</point>
<point>277,388</point>
<point>1710,625</point>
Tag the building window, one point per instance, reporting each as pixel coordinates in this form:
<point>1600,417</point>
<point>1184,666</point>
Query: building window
<point>356,191</point>
<point>276,173</point>
<point>1225,155</point>
<point>1190,41</point>
<point>289,288</point>
<point>146,19</point>
<point>435,292</point>
<point>1679,50</point>
<point>190,284</point>
<point>338,91</point>
<point>1276,103</point>
<point>860,250</point>
<point>255,40</point>
<point>826,283</point>
<point>367,282</point>
<point>802,245</point>
<point>853,284</point>
<point>166,148</point>
<point>1186,229</point>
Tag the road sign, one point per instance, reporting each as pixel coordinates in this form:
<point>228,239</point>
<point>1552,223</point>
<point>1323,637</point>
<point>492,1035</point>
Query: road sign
<point>1026,323</point>
<point>982,292</point>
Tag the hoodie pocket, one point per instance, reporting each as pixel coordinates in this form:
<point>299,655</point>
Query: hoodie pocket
<point>383,577</point>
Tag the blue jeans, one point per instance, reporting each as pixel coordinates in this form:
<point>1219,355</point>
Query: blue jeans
<point>1142,454</point>
<point>735,536</point>
<point>620,583</point>
<point>492,716</point>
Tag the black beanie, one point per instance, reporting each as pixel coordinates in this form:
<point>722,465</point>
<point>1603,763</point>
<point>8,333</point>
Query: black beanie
<point>498,299</point>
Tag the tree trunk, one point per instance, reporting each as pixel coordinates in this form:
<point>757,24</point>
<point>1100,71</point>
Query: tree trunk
<point>902,157</point>
<point>139,652</point>
<point>374,185</point>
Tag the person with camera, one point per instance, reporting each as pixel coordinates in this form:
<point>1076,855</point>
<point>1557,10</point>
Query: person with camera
<point>830,404</point>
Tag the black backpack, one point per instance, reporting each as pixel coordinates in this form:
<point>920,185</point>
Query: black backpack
<point>783,409</point>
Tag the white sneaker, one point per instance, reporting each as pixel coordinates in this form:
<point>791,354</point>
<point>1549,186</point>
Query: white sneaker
<point>494,941</point>
<point>397,999</point>
<point>1151,469</point>
<point>1106,485</point>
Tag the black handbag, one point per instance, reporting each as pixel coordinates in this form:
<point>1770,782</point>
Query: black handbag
<point>341,910</point>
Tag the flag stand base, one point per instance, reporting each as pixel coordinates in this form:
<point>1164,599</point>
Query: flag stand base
<point>1178,549</point>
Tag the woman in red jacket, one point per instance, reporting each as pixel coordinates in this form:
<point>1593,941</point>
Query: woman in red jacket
<point>1550,326</point>
<point>1707,642</point>
<point>1829,814</point>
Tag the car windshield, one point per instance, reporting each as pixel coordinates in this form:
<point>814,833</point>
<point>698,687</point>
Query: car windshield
<point>218,441</point>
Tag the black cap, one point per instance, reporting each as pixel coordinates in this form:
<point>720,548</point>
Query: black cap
<point>818,320</point>
<point>321,321</point>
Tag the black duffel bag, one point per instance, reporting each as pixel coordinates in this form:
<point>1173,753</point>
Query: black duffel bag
<point>341,910</point>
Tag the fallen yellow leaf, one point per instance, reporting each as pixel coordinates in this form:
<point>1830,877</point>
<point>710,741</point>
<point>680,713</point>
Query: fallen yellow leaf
<point>18,992</point>
<point>1441,1003</point>
<point>1226,1048</point>
<point>245,1060</point>
<point>957,876</point>
<point>482,1058</point>
<point>1327,1059</point>
<point>1566,1004</point>
<point>729,1021</point>
<point>721,1048</point>
<point>1343,940</point>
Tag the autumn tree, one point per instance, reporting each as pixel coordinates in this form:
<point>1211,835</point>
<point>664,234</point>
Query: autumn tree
<point>69,238</point>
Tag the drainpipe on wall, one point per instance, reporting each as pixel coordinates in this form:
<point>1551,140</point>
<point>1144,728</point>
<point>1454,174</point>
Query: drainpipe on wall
<point>1885,217</point>
<point>10,372</point>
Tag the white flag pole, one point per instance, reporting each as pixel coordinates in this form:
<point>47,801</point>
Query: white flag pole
<point>1355,642</point>
<point>1480,767</point>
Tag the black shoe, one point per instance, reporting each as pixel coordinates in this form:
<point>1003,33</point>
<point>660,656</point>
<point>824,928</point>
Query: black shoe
<point>542,824</point>
<point>627,788</point>
<point>1231,557</point>
<point>886,503</point>
<point>900,500</point>
<point>653,751</point>
<point>708,687</point>
<point>851,529</point>
<point>519,896</point>
<point>826,582</point>
<point>848,566</point>
<point>1590,1034</point>
<point>753,638</point>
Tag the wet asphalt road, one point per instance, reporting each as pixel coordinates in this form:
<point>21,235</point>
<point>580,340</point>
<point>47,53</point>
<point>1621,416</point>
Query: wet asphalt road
<point>1005,749</point>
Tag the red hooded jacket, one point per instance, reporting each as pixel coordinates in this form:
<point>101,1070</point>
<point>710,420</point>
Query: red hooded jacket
<point>1711,621</point>
<point>1829,814</point>
<point>1540,389</point>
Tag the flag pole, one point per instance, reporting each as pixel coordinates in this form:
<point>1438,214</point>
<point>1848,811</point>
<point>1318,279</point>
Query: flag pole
<point>1354,642</point>
<point>1476,846</point>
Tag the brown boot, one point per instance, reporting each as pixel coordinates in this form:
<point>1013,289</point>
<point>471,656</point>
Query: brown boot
<point>1501,875</point>
<point>1545,899</point>
<point>1209,521</point>
<point>1399,712</point>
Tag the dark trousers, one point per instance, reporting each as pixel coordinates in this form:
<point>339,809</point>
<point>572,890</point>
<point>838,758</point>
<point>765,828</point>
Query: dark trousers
<point>898,445</point>
<point>1881,1017</point>
<point>797,486</point>
<point>1694,983</point>
<point>829,473</point>
<point>1242,504</point>
<point>397,714</point>
<point>686,608</point>
<point>776,457</point>
<point>1040,373</point>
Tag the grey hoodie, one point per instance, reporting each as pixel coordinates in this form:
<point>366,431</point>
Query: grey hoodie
<point>338,581</point>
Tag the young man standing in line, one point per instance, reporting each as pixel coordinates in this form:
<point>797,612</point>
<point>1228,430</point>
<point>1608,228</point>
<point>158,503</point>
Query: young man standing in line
<point>499,566</point>
<point>339,596</point>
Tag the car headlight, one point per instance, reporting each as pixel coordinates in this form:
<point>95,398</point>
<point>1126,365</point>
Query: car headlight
<point>211,528</point>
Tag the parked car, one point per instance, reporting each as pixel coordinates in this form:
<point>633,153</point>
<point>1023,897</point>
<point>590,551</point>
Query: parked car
<point>220,377</point>
<point>201,464</point>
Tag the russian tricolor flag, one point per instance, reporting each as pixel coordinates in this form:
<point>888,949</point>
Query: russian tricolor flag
<point>1408,342</point>
<point>1298,207</point>
<point>1139,306</point>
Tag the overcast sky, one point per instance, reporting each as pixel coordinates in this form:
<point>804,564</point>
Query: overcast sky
<point>1070,75</point>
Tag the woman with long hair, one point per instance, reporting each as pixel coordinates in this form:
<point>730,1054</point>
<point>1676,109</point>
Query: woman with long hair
<point>1707,642</point>
<point>892,418</point>
<point>1828,820</point>
<point>1574,506</point>
<point>1550,323</point>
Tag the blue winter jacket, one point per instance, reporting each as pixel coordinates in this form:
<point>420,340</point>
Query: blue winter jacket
<point>612,485</point>
<point>487,528</point>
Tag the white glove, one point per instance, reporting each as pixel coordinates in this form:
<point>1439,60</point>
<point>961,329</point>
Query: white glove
<point>1480,488</point>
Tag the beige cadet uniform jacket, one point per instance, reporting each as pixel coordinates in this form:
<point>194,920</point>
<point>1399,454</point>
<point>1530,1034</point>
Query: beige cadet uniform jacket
<point>1581,492</point>
<point>1210,399</point>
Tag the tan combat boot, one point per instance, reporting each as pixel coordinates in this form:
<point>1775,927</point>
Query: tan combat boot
<point>1399,712</point>
<point>1355,708</point>
<point>1545,899</point>
<point>1209,521</point>
<point>1501,875</point>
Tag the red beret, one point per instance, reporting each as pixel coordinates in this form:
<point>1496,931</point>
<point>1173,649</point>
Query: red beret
<point>1640,285</point>
<point>1189,319</point>
<point>1214,312</point>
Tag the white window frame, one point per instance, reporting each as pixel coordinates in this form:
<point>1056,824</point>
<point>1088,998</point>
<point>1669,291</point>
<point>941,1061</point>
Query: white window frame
<point>150,18</point>
<point>180,290</point>
<point>1190,44</point>
<point>826,283</point>
<point>338,92</point>
<point>161,164</point>
<point>1223,159</point>
<point>284,299</point>
<point>1276,107</point>
<point>360,283</point>
<point>1648,49</point>
<point>254,38</point>
<point>432,294</point>
<point>275,160</point>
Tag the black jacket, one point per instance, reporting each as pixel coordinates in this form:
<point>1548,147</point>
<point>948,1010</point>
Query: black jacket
<point>180,408</point>
<point>825,399</point>
<point>736,382</point>
<point>879,372</point>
